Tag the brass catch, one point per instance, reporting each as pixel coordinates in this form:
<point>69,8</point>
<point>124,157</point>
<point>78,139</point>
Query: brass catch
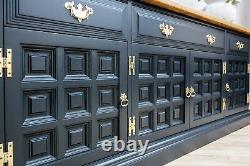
<point>131,126</point>
<point>167,30</point>
<point>124,100</point>
<point>131,65</point>
<point>6,157</point>
<point>211,39</point>
<point>6,62</point>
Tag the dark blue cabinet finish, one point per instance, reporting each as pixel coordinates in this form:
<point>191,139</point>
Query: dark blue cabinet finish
<point>63,99</point>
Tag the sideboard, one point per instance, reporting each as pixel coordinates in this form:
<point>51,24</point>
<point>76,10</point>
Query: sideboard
<point>74,74</point>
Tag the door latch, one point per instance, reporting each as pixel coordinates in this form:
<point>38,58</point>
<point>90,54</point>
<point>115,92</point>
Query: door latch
<point>131,65</point>
<point>6,157</point>
<point>6,63</point>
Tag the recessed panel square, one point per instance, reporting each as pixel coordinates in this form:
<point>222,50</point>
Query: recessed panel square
<point>162,66</point>
<point>107,63</point>
<point>207,67</point>
<point>144,93</point>
<point>217,106</point>
<point>197,66</point>
<point>178,66</point>
<point>207,108</point>
<point>206,87</point>
<point>107,129</point>
<point>106,97</point>
<point>39,145</point>
<point>178,115</point>
<point>217,67</point>
<point>161,92</point>
<point>38,63</point>
<point>197,110</point>
<point>38,103</point>
<point>76,100</point>
<point>145,65</point>
<point>177,90</point>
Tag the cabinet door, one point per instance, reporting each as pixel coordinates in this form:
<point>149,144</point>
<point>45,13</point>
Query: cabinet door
<point>63,98</point>
<point>238,82</point>
<point>158,91</point>
<point>206,79</point>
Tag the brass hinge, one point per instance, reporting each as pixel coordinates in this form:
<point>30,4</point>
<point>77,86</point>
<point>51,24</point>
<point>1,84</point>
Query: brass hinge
<point>248,98</point>
<point>131,65</point>
<point>131,126</point>
<point>6,157</point>
<point>224,68</point>
<point>6,63</point>
<point>248,68</point>
<point>224,104</point>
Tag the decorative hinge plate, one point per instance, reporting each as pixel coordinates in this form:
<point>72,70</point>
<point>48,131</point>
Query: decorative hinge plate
<point>248,68</point>
<point>131,65</point>
<point>6,157</point>
<point>131,126</point>
<point>6,63</point>
<point>224,68</point>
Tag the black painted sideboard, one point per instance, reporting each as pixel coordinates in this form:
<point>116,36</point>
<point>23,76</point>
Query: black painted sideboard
<point>78,75</point>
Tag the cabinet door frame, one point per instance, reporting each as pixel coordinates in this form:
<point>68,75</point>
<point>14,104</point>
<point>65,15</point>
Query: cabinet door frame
<point>16,86</point>
<point>2,97</point>
<point>200,97</point>
<point>138,49</point>
<point>238,58</point>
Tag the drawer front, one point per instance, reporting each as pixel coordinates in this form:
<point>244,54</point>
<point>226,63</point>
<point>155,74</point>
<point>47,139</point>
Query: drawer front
<point>151,24</point>
<point>104,18</point>
<point>238,43</point>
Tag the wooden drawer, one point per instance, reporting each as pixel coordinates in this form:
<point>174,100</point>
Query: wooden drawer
<point>106,14</point>
<point>149,24</point>
<point>237,43</point>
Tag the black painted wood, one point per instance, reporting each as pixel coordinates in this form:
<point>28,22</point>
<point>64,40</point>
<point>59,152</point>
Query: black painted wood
<point>63,108</point>
<point>68,77</point>
<point>1,80</point>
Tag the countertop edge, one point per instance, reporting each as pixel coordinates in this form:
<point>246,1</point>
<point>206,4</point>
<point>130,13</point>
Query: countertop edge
<point>202,16</point>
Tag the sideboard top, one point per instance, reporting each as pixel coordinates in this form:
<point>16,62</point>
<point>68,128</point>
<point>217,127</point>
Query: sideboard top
<point>169,5</point>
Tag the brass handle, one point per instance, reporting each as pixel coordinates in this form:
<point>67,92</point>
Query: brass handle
<point>188,94</point>
<point>227,87</point>
<point>124,100</point>
<point>211,39</point>
<point>240,45</point>
<point>78,12</point>
<point>166,29</point>
<point>192,92</point>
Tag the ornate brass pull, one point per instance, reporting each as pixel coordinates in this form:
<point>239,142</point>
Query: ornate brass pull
<point>190,92</point>
<point>124,100</point>
<point>78,12</point>
<point>211,39</point>
<point>240,45</point>
<point>167,30</point>
<point>227,87</point>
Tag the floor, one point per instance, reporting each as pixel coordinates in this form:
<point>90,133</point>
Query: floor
<point>231,150</point>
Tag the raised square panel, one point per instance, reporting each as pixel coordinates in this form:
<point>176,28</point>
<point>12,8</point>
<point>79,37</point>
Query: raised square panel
<point>107,129</point>
<point>206,87</point>
<point>145,64</point>
<point>197,66</point>
<point>217,86</point>
<point>145,121</point>
<point>230,102</point>
<point>177,90</point>
<point>217,106</point>
<point>163,117</point>
<point>106,97</point>
<point>230,67</point>
<point>161,92</point>
<point>242,67</point>
<point>144,93</point>
<point>76,139</point>
<point>207,67</point>
<point>162,66</point>
<point>242,83</point>
<point>236,67</point>
<point>207,109</point>
<point>236,101</point>
<point>77,64</point>
<point>178,66</point>
<point>39,63</point>
<point>40,145</point>
<point>197,110</point>
<point>76,100</point>
<point>107,63</point>
<point>39,103</point>
<point>197,87</point>
<point>236,84</point>
<point>178,115</point>
<point>217,67</point>
<point>242,100</point>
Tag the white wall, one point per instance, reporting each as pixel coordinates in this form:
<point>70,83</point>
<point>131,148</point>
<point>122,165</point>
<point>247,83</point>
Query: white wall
<point>243,13</point>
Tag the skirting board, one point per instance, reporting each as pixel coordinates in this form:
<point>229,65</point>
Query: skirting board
<point>166,150</point>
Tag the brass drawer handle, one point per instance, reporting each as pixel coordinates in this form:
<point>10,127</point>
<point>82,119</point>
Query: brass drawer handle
<point>124,100</point>
<point>240,45</point>
<point>211,39</point>
<point>79,12</point>
<point>166,29</point>
<point>227,87</point>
